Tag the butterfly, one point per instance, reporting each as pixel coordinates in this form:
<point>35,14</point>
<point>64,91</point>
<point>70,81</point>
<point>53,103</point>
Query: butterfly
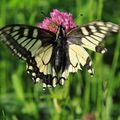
<point>49,56</point>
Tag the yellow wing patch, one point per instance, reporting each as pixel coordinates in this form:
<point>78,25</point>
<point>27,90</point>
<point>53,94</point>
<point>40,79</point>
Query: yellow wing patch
<point>77,56</point>
<point>43,59</point>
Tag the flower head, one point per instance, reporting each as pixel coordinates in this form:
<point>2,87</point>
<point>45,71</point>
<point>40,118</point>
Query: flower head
<point>56,19</point>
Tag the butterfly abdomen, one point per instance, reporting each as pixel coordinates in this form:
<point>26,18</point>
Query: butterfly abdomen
<point>59,59</point>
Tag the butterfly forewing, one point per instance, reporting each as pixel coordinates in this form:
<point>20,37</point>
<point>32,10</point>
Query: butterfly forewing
<point>27,37</point>
<point>91,35</point>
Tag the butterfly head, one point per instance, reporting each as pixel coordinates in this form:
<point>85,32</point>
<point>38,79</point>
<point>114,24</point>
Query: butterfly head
<point>61,33</point>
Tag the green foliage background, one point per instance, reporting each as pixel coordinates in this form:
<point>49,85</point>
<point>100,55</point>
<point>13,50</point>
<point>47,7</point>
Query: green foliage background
<point>82,97</point>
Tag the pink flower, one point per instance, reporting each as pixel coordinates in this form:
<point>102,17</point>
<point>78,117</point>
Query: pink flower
<point>56,19</point>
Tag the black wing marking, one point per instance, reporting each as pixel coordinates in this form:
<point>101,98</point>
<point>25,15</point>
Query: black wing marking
<point>91,35</point>
<point>19,37</point>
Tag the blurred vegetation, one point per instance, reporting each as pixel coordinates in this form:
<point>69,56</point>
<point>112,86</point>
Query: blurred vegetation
<point>82,97</point>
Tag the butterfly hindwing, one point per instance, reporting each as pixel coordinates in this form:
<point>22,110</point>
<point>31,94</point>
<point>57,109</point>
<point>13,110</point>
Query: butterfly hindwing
<point>91,35</point>
<point>78,56</point>
<point>43,60</point>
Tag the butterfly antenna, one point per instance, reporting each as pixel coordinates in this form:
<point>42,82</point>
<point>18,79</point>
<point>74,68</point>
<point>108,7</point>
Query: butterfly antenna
<point>42,13</point>
<point>80,15</point>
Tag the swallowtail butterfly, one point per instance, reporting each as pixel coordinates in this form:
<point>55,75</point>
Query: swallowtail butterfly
<point>50,57</point>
